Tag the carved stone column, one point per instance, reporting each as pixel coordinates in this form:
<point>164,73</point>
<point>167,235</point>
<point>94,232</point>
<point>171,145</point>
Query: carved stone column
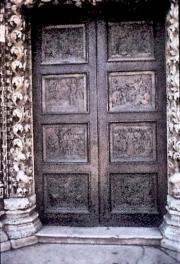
<point>4,240</point>
<point>171,225</point>
<point>21,221</point>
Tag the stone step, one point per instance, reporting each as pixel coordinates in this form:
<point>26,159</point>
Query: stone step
<point>100,235</point>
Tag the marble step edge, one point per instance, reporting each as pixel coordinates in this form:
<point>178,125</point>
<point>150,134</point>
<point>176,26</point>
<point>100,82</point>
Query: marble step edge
<point>100,235</point>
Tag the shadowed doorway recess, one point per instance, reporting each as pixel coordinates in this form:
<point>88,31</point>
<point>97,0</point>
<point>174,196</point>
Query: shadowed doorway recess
<point>99,120</point>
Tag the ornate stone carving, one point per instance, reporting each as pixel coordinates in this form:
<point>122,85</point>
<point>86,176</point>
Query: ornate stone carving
<point>3,107</point>
<point>136,193</point>
<point>173,92</point>
<point>171,225</point>
<point>132,142</point>
<point>65,93</point>
<point>174,182</point>
<point>66,193</point>
<point>65,143</point>
<point>64,44</point>
<point>131,5</point>
<point>130,41</point>
<point>19,103</point>
<point>131,91</point>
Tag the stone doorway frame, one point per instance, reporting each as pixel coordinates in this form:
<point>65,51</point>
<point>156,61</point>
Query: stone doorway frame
<point>20,221</point>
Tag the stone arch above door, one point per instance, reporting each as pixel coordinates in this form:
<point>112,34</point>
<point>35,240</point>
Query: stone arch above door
<point>17,133</point>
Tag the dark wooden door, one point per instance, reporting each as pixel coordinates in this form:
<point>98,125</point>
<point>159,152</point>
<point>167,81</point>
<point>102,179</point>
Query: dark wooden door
<point>66,123</point>
<point>99,118</point>
<point>132,135</point>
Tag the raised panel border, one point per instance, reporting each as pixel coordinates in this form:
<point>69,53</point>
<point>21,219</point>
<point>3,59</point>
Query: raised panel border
<point>87,139</point>
<point>86,92</point>
<point>153,211</point>
<point>63,211</point>
<point>120,59</point>
<point>132,124</point>
<point>43,62</point>
<point>131,73</point>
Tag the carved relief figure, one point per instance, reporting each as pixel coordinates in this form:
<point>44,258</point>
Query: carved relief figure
<point>66,192</point>
<point>130,40</point>
<point>64,44</point>
<point>134,193</point>
<point>65,143</point>
<point>130,142</point>
<point>131,91</point>
<point>65,93</point>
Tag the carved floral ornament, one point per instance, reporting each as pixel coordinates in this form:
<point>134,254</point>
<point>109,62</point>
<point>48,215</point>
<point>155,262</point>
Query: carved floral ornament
<point>18,181</point>
<point>32,3</point>
<point>173,93</point>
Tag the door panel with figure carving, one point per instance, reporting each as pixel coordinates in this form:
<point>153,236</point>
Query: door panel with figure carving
<point>99,115</point>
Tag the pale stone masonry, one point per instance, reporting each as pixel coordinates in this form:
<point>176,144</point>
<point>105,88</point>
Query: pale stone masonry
<point>19,218</point>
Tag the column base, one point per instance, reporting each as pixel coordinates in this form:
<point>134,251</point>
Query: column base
<point>4,240</point>
<point>5,246</point>
<point>170,227</point>
<point>21,219</point>
<point>24,242</point>
<point>170,244</point>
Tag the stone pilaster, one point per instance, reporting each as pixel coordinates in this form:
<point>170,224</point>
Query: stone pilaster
<point>4,240</point>
<point>171,226</point>
<point>20,221</point>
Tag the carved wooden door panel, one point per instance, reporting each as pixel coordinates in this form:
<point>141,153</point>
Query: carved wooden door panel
<point>131,92</point>
<point>66,123</point>
<point>99,118</point>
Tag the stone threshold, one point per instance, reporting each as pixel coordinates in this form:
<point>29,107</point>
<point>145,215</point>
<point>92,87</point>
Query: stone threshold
<point>100,235</point>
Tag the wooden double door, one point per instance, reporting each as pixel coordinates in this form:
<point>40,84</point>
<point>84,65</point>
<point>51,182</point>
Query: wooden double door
<point>99,122</point>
